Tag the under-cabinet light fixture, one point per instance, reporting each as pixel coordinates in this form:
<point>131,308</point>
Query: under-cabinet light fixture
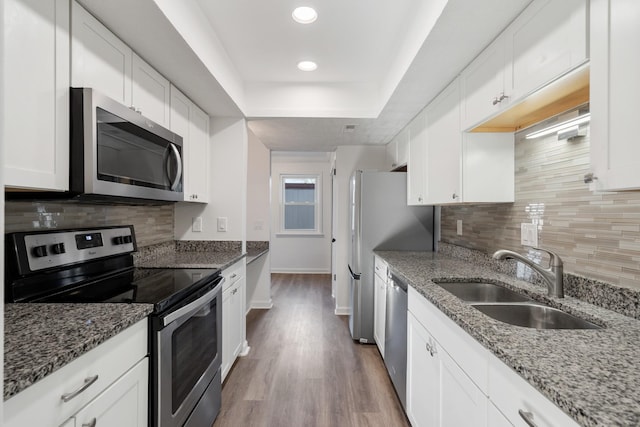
<point>577,121</point>
<point>304,15</point>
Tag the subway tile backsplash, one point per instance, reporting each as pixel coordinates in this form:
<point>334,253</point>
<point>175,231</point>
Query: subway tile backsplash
<point>152,224</point>
<point>596,234</point>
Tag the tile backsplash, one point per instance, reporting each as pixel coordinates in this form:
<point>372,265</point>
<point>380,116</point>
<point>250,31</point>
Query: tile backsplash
<point>152,224</point>
<point>596,234</point>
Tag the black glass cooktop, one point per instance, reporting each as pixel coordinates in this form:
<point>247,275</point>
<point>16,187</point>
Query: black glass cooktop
<point>161,287</point>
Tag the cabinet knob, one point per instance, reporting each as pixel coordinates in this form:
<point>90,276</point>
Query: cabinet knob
<point>420,199</point>
<point>589,178</point>
<point>91,423</point>
<point>527,417</point>
<point>495,101</point>
<point>502,97</point>
<point>454,196</point>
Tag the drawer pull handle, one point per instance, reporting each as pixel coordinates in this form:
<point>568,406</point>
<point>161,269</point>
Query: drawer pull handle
<point>87,383</point>
<point>234,291</point>
<point>527,417</point>
<point>91,423</point>
<point>233,276</point>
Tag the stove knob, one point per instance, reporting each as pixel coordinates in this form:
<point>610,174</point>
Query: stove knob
<point>118,240</point>
<point>58,248</point>
<point>128,239</point>
<point>39,251</point>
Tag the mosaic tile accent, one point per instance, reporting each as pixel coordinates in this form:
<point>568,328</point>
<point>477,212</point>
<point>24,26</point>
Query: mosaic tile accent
<point>152,224</point>
<point>596,234</point>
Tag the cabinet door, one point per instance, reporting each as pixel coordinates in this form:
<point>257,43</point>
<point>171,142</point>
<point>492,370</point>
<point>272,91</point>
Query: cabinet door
<point>423,376</point>
<point>546,41</point>
<point>402,149</point>
<point>462,402</point>
<point>379,311</point>
<point>36,94</point>
<point>392,154</point>
<point>495,418</point>
<point>179,123</point>
<point>615,90</point>
<point>198,155</point>
<point>123,404</point>
<point>443,147</point>
<point>417,163</point>
<point>488,167</point>
<point>150,92</point>
<point>227,319</point>
<point>99,59</point>
<point>483,85</point>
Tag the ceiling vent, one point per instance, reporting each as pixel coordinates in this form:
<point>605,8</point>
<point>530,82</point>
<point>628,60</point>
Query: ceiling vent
<point>349,128</point>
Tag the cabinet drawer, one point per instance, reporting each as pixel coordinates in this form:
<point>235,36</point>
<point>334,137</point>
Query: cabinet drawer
<point>233,273</point>
<point>380,267</point>
<point>108,361</point>
<point>470,355</point>
<point>510,393</point>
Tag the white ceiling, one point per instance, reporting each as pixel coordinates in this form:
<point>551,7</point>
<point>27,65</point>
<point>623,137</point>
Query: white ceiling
<point>379,62</point>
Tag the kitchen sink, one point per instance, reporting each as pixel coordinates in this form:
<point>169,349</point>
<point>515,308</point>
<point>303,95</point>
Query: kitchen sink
<point>482,292</point>
<point>534,316</point>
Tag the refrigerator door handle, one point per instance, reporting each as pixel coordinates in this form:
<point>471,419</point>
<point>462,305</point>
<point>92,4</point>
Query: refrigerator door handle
<point>354,275</point>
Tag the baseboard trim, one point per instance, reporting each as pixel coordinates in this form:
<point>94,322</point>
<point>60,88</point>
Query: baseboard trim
<point>300,271</point>
<point>261,305</point>
<point>342,311</point>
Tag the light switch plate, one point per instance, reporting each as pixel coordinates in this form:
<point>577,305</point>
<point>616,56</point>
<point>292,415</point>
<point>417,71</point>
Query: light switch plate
<point>529,234</point>
<point>196,224</point>
<point>222,224</point>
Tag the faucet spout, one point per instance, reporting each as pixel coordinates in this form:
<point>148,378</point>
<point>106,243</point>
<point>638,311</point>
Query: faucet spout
<point>553,276</point>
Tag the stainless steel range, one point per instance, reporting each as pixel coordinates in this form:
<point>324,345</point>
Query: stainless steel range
<point>185,329</point>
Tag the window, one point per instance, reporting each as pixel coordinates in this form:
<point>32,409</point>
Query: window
<point>300,203</point>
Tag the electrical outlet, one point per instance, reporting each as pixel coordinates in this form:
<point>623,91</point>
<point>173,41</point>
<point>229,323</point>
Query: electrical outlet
<point>196,224</point>
<point>222,224</point>
<point>529,234</point>
<point>459,227</point>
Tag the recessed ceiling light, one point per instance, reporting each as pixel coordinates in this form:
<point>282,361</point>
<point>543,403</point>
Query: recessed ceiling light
<point>307,65</point>
<point>304,15</point>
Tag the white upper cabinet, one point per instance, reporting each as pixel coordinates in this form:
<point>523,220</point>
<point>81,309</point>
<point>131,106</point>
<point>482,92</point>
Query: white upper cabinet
<point>150,92</point>
<point>444,147</point>
<point>615,90</point>
<point>488,167</point>
<point>36,94</point>
<point>417,162</point>
<point>483,85</point>
<point>192,124</point>
<point>100,60</point>
<point>547,40</point>
<point>398,150</point>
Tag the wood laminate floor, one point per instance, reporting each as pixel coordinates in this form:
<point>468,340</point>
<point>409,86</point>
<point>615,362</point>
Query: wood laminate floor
<point>304,369</point>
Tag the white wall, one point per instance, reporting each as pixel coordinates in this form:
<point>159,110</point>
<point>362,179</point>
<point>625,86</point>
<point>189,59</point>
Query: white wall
<point>348,159</point>
<point>258,190</point>
<point>227,186</point>
<point>300,253</point>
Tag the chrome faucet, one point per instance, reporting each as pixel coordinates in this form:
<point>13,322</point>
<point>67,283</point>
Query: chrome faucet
<point>552,275</point>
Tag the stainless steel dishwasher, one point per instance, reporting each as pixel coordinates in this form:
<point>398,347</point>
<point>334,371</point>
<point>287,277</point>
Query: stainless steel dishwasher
<point>395,332</point>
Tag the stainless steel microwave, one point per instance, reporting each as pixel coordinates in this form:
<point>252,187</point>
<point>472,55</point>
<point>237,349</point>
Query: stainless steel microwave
<point>116,151</point>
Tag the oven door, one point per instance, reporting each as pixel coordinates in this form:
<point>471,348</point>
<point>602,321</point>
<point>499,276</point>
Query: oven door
<point>187,355</point>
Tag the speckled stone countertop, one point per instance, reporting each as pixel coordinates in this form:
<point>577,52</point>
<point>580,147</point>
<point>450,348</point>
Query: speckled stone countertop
<point>190,254</point>
<point>255,249</point>
<point>592,375</point>
<point>40,338</point>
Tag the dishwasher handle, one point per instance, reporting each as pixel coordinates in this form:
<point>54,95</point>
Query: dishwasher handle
<point>397,283</point>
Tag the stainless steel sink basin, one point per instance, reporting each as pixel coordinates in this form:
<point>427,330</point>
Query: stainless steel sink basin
<point>482,292</point>
<point>534,316</point>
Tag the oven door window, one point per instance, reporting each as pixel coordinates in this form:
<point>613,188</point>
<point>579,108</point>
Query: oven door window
<point>129,154</point>
<point>194,344</point>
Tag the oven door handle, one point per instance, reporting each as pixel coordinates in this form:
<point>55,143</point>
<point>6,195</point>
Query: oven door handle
<point>194,305</point>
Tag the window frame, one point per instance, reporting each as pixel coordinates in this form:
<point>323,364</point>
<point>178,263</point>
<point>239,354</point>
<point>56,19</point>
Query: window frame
<point>317,230</point>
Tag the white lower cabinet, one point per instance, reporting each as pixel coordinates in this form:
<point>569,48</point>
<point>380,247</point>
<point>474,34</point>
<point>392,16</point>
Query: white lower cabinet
<point>380,303</point>
<point>452,380</point>
<point>439,392</point>
<point>233,315</point>
<point>123,404</point>
<point>108,382</point>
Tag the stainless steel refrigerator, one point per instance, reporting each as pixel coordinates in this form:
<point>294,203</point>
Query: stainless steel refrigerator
<point>380,219</point>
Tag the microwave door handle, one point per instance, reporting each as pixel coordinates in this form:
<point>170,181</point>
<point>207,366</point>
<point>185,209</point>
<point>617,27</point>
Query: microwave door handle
<point>176,180</point>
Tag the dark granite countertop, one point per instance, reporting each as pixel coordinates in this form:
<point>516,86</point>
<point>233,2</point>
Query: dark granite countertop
<point>255,249</point>
<point>41,338</point>
<point>199,259</point>
<point>592,375</point>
